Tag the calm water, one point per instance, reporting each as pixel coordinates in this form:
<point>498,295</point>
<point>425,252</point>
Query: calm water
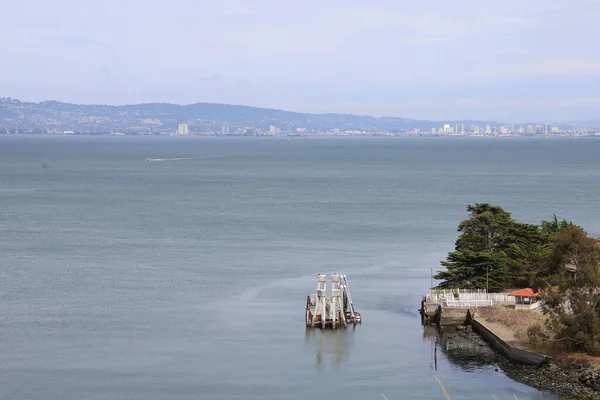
<point>127,279</point>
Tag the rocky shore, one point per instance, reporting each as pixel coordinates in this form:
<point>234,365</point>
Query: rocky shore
<point>561,375</point>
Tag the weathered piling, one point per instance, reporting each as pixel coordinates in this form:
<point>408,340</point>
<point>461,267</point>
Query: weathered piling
<point>331,310</point>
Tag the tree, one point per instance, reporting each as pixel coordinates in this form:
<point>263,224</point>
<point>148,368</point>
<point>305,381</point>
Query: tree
<point>479,255</point>
<point>553,227</point>
<point>473,270</point>
<point>572,296</point>
<point>528,249</point>
<point>484,230</point>
<point>494,248</point>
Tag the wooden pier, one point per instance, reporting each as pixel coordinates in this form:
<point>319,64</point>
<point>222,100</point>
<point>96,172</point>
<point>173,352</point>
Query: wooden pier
<point>331,310</point>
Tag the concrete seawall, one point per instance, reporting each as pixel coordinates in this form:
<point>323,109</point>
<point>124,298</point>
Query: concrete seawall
<point>449,316</point>
<point>429,312</point>
<point>513,353</point>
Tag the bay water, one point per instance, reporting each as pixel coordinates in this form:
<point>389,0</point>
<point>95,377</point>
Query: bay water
<point>186,276</point>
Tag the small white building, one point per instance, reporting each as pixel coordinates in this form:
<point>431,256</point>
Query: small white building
<point>526,299</point>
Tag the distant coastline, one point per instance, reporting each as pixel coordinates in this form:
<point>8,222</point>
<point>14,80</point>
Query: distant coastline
<point>309,136</point>
<point>211,119</point>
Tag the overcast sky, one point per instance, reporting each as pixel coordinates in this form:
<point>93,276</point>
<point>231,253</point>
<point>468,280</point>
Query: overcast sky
<point>510,60</point>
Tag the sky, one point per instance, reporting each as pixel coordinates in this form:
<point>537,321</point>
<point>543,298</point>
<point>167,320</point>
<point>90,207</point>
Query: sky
<point>510,60</point>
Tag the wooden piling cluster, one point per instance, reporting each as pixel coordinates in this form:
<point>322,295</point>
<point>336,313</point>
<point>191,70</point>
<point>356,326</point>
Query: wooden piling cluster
<point>331,310</point>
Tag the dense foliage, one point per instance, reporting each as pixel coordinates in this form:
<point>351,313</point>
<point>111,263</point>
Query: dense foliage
<point>557,257</point>
<point>495,251</point>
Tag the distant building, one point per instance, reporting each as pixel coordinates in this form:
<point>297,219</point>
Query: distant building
<point>272,129</point>
<point>225,130</point>
<point>183,129</point>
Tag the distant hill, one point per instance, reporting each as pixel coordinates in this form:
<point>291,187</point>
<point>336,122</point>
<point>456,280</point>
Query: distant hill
<point>160,117</point>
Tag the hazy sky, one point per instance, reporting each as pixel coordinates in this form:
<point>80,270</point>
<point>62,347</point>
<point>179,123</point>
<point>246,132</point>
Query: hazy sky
<point>510,60</point>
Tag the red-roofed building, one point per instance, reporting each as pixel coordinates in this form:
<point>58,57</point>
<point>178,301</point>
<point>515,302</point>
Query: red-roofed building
<point>526,299</point>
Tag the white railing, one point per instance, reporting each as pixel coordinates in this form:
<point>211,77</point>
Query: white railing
<point>501,298</point>
<point>432,298</point>
<point>451,296</point>
<point>455,292</point>
<point>496,297</point>
<point>469,303</point>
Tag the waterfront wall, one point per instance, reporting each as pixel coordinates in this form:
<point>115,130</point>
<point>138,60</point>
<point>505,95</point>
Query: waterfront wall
<point>452,316</point>
<point>513,353</point>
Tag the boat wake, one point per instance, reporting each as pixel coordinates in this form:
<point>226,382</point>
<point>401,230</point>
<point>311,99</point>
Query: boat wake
<point>172,159</point>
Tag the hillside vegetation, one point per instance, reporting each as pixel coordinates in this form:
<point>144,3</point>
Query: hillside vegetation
<point>556,257</point>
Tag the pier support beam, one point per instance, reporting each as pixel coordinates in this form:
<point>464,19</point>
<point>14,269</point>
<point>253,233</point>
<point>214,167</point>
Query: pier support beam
<point>331,310</point>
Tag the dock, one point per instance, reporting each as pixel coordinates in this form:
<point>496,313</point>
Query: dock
<point>334,309</point>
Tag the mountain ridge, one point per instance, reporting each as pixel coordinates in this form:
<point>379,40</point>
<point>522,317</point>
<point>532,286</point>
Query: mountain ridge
<point>53,115</point>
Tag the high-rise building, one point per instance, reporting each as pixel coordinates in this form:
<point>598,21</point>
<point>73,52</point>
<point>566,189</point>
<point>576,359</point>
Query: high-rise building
<point>225,130</point>
<point>182,129</point>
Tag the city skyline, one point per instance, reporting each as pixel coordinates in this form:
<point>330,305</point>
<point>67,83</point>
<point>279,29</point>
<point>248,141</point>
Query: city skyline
<point>595,121</point>
<point>508,61</point>
<point>54,117</point>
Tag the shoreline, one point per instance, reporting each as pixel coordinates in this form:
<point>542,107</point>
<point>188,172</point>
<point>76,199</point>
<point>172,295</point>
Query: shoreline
<point>563,375</point>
